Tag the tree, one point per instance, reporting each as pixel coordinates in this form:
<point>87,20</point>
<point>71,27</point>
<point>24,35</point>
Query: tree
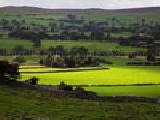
<point>108,36</point>
<point>18,50</point>
<point>97,35</point>
<point>9,70</point>
<point>53,26</point>
<point>143,21</point>
<point>4,23</point>
<point>36,43</point>
<point>79,51</point>
<point>71,17</point>
<point>34,81</point>
<point>19,59</point>
<point>16,24</point>
<point>61,25</point>
<point>151,57</point>
<point>113,22</point>
<point>3,68</point>
<point>3,52</point>
<point>79,89</point>
<point>65,87</point>
<point>1,35</point>
<point>13,71</point>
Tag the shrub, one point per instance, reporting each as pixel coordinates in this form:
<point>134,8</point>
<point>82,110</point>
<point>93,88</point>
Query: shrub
<point>19,59</point>
<point>63,86</point>
<point>79,89</point>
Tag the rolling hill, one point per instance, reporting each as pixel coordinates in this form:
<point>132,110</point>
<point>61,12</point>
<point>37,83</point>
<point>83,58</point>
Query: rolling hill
<point>35,10</point>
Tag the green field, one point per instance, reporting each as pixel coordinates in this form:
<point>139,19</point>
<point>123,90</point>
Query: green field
<point>113,76</point>
<point>121,75</point>
<point>18,102</point>
<point>124,18</point>
<point>118,80</point>
<point>91,45</point>
<point>44,19</point>
<point>9,44</point>
<point>146,91</point>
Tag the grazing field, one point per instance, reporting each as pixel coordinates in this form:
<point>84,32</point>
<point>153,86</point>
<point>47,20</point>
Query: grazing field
<point>146,91</point>
<point>91,45</point>
<point>23,102</point>
<point>112,76</point>
<point>10,44</point>
<point>15,103</point>
<point>124,18</point>
<point>44,19</point>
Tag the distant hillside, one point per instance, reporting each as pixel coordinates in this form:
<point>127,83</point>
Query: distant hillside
<point>34,10</point>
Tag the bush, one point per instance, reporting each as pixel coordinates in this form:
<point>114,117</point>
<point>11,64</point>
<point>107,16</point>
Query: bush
<point>63,86</point>
<point>19,59</point>
<point>9,70</point>
<point>79,89</point>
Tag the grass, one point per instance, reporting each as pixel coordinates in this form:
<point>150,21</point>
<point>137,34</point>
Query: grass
<point>113,76</point>
<point>17,102</point>
<point>91,45</point>
<point>121,34</point>
<point>146,91</point>
<point>10,44</point>
<point>30,60</point>
<point>125,19</point>
<point>121,75</point>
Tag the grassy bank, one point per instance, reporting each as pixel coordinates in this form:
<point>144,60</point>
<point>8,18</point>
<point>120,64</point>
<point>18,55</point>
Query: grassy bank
<point>146,91</point>
<point>17,102</point>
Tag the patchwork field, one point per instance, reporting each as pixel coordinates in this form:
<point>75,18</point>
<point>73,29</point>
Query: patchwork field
<point>91,45</point>
<point>112,76</point>
<point>10,44</point>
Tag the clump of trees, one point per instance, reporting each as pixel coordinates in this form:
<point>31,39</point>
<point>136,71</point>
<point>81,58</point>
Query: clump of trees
<point>76,57</point>
<point>9,70</point>
<point>32,81</point>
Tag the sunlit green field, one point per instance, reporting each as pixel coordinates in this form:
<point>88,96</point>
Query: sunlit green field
<point>113,76</point>
<point>147,91</point>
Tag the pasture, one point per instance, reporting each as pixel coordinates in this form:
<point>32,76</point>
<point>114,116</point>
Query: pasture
<point>146,91</point>
<point>44,19</point>
<point>124,18</point>
<point>17,102</point>
<point>113,76</point>
<point>91,45</point>
<point>11,43</point>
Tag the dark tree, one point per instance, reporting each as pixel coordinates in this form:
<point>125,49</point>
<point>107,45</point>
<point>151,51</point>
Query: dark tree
<point>9,70</point>
<point>97,35</point>
<point>71,17</point>
<point>19,59</point>
<point>151,57</point>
